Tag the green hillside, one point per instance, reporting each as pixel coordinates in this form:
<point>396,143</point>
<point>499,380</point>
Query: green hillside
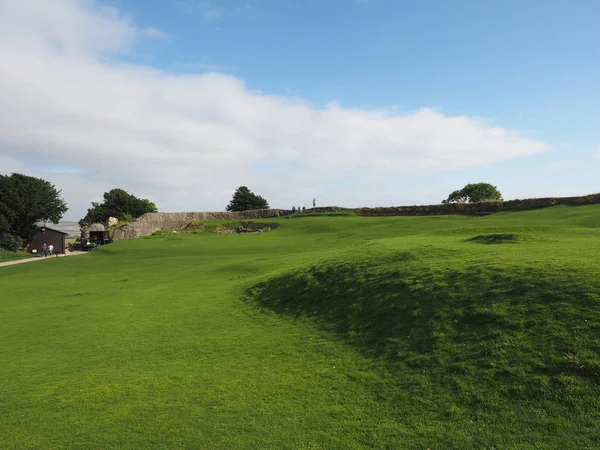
<point>6,255</point>
<point>330,332</point>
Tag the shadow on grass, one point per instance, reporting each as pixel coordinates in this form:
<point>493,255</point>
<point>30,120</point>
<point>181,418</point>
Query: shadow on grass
<point>501,324</point>
<point>490,239</point>
<point>387,308</point>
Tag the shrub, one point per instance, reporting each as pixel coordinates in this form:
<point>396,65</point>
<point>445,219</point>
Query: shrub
<point>11,242</point>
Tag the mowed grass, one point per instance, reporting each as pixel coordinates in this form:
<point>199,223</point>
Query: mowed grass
<point>6,256</point>
<point>328,332</point>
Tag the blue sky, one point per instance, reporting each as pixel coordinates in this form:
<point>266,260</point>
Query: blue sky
<point>526,64</point>
<point>530,68</point>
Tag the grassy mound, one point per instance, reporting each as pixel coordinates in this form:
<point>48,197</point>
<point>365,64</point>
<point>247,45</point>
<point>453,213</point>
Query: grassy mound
<point>478,344</point>
<point>516,330</point>
<point>333,332</point>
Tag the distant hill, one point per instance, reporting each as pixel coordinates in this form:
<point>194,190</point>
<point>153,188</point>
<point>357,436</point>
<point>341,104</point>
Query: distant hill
<point>72,228</point>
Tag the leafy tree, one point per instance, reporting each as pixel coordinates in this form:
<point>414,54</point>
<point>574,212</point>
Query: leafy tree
<point>11,242</point>
<point>472,193</point>
<point>117,203</point>
<point>25,200</point>
<point>244,200</point>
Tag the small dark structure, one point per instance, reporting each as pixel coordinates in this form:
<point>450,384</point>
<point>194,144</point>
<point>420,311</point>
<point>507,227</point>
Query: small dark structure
<point>49,236</point>
<point>99,237</point>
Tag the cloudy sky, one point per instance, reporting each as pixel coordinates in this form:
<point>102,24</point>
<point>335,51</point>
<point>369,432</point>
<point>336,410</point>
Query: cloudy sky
<point>354,102</point>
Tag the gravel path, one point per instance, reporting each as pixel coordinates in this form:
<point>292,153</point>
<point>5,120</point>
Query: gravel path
<point>39,258</point>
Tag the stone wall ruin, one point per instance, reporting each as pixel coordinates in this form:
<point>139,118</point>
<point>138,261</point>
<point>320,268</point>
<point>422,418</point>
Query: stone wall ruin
<point>152,222</point>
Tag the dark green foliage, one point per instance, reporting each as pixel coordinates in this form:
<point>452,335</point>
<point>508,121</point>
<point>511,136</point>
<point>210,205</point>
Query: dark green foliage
<point>481,208</point>
<point>120,204</point>
<point>245,200</point>
<point>493,239</point>
<point>328,211</point>
<point>473,193</point>
<point>25,200</point>
<point>11,242</point>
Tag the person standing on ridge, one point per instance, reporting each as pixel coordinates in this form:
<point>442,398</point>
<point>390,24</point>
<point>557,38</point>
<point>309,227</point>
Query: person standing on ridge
<point>314,202</point>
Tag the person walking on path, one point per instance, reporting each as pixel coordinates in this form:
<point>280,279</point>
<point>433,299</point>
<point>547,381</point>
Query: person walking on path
<point>51,249</point>
<point>44,250</point>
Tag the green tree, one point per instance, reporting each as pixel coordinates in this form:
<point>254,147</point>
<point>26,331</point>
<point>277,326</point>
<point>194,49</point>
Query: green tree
<point>25,200</point>
<point>472,193</point>
<point>117,203</point>
<point>244,200</point>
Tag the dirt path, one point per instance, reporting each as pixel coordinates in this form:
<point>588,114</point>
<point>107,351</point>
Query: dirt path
<point>39,258</point>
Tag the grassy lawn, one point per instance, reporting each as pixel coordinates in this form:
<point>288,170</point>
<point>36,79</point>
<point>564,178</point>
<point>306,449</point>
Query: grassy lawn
<point>13,256</point>
<point>330,332</point>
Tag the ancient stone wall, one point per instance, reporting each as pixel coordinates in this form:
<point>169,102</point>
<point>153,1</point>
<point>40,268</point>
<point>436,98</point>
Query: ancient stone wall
<point>152,222</point>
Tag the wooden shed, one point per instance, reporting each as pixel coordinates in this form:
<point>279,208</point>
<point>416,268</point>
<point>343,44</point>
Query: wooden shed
<point>49,236</point>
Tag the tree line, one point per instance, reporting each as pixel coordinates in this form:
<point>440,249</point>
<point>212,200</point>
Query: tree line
<point>119,204</point>
<point>26,200</point>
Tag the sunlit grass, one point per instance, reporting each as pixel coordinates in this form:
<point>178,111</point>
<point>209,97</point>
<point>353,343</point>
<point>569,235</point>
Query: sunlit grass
<point>328,332</point>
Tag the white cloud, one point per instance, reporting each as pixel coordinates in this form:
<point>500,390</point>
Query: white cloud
<point>65,25</point>
<point>187,140</point>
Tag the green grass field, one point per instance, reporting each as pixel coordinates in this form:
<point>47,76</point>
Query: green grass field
<point>6,256</point>
<point>327,333</point>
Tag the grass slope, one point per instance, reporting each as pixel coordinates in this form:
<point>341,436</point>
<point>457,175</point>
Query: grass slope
<point>329,332</point>
<point>6,256</point>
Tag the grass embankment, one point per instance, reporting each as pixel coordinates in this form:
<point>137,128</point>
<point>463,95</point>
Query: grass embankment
<point>329,332</point>
<point>6,256</point>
